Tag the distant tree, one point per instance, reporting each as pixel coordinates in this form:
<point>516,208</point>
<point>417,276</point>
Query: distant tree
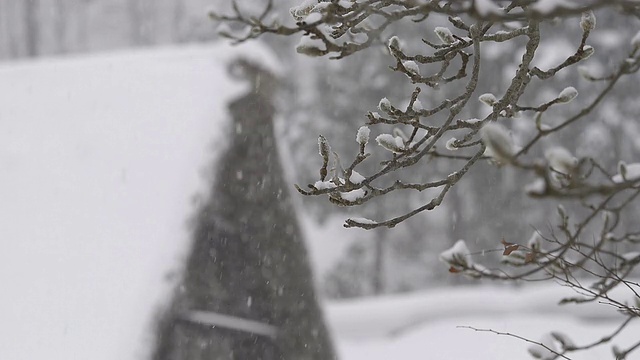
<point>32,27</point>
<point>177,21</point>
<point>248,260</point>
<point>61,17</point>
<point>504,96</point>
<point>142,23</point>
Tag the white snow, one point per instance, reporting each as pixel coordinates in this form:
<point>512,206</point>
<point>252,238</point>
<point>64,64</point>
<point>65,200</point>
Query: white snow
<point>323,146</point>
<point>303,9</point>
<point>362,220</point>
<point>443,339</point>
<point>632,173</point>
<point>411,67</point>
<point>353,195</point>
<point>567,94</point>
<point>390,142</point>
<point>101,158</point>
<point>384,105</point>
<point>498,141</point>
<point>472,121</point>
<point>488,99</point>
<point>362,136</point>
<point>631,255</point>
<point>588,51</point>
<point>561,160</point>
<point>444,34</point>
<point>323,185</point>
<point>313,17</point>
<point>450,144</point>
<point>394,42</point>
<point>516,257</point>
<point>588,21</point>
<point>458,254</point>
<point>535,241</point>
<point>417,106</point>
<point>411,325</point>
<point>346,3</point>
<point>310,46</point>
<point>356,178</point>
<point>327,242</point>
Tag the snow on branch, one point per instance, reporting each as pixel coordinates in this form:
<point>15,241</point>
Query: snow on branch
<point>519,128</point>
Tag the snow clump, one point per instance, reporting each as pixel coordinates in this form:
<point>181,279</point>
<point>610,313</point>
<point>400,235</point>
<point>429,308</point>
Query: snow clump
<point>385,105</point>
<point>561,160</point>
<point>588,50</point>
<point>535,241</point>
<point>312,18</point>
<point>310,47</point>
<point>631,257</point>
<point>450,145</point>
<point>394,44</point>
<point>411,67</point>
<point>353,195</point>
<point>568,94</point>
<point>303,10</point>
<point>588,21</point>
<point>323,146</point>
<point>627,172</point>
<point>392,143</point>
<point>324,185</point>
<point>458,256</point>
<point>445,35</point>
<point>471,121</point>
<point>536,187</point>
<point>498,142</point>
<point>356,178</point>
<point>488,99</point>
<point>364,221</point>
<point>362,137</point>
<point>417,106</point>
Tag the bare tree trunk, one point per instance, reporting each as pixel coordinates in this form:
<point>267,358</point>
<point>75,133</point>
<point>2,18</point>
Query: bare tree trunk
<point>142,21</point>
<point>135,22</point>
<point>178,21</point>
<point>32,27</point>
<point>60,21</point>
<point>378,262</point>
<point>81,11</point>
<point>5,37</point>
<point>456,222</point>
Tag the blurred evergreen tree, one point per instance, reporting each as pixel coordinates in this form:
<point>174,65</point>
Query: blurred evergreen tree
<point>248,258</point>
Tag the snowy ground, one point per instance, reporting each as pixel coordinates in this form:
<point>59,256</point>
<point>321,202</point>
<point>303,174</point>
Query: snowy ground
<point>100,157</point>
<point>428,325</point>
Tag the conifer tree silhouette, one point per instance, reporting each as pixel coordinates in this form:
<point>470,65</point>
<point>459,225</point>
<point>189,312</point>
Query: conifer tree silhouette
<point>248,258</point>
